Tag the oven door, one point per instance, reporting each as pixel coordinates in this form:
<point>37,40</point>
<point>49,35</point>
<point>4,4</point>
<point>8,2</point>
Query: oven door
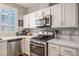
<point>37,49</point>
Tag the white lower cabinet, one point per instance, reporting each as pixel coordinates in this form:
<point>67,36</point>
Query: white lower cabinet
<point>22,45</point>
<point>68,51</point>
<point>3,51</point>
<point>53,50</point>
<point>3,48</point>
<point>27,46</point>
<point>53,54</point>
<point>59,50</point>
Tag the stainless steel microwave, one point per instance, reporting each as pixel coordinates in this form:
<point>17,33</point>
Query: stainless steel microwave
<point>45,22</point>
<point>40,22</point>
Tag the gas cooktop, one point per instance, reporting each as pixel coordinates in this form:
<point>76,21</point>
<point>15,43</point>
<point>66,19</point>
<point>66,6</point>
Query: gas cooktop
<point>42,37</point>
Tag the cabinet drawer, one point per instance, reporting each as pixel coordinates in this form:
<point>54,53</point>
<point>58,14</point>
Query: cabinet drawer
<point>52,54</point>
<point>4,43</point>
<point>63,54</point>
<point>52,51</point>
<point>53,47</point>
<point>69,51</point>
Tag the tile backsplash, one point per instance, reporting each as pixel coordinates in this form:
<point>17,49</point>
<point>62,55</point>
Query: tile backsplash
<point>71,31</point>
<point>69,34</point>
<point>64,33</point>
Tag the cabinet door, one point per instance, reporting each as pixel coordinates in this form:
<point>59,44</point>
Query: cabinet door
<point>53,50</point>
<point>26,19</point>
<point>53,54</point>
<point>46,11</point>
<point>67,51</point>
<point>22,43</point>
<point>27,46</point>
<point>3,51</point>
<point>3,48</point>
<point>70,15</point>
<point>56,12</point>
<point>39,14</point>
<point>32,20</point>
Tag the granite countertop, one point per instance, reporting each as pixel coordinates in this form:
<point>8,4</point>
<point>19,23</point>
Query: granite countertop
<point>74,44</point>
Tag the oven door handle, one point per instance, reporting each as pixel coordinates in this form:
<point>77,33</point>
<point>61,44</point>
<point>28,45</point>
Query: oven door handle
<point>37,44</point>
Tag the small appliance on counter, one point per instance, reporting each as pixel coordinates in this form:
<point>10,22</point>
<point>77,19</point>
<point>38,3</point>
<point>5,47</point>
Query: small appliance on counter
<point>29,34</point>
<point>24,32</point>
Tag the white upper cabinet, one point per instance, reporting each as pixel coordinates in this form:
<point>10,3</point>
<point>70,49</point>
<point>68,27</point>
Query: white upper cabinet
<point>70,15</point>
<point>56,12</point>
<point>32,20</point>
<point>26,19</point>
<point>39,14</point>
<point>64,15</point>
<point>46,11</point>
<point>29,20</point>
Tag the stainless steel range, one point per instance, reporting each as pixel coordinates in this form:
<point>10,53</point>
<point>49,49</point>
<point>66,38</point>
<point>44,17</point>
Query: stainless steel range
<point>38,45</point>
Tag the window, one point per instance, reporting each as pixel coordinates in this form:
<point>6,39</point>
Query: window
<point>8,19</point>
<point>12,20</point>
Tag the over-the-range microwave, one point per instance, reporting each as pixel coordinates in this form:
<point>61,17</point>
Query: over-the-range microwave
<point>45,22</point>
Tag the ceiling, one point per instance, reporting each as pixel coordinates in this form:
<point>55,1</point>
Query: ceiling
<point>30,5</point>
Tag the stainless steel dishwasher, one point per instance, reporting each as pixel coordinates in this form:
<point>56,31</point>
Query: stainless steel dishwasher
<point>14,47</point>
